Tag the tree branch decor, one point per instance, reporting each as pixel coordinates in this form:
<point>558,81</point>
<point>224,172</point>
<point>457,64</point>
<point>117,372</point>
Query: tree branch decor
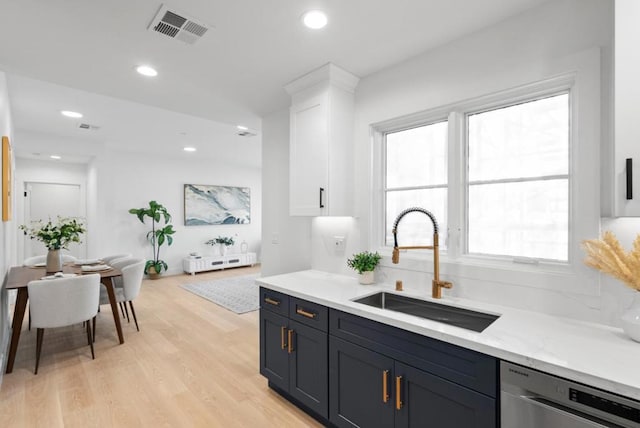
<point>608,256</point>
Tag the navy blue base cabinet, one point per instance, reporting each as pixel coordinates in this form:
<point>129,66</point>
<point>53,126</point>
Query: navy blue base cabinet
<point>354,372</point>
<point>294,349</point>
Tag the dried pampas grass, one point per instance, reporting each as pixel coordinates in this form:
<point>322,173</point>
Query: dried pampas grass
<point>608,256</point>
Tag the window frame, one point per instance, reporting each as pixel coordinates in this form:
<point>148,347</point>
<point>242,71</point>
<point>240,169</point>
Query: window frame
<point>464,251</point>
<point>584,103</point>
<point>386,190</point>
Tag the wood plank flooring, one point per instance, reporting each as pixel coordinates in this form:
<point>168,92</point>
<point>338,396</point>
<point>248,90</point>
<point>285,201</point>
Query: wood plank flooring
<point>193,364</point>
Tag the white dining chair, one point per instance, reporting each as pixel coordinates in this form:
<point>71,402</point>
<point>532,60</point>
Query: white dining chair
<point>35,260</point>
<point>131,283</point>
<point>120,263</point>
<point>108,259</point>
<point>62,302</point>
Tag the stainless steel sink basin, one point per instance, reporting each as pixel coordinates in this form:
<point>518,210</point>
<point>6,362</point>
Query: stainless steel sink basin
<point>459,317</point>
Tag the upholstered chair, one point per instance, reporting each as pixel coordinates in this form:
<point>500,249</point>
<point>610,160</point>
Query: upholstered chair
<point>61,302</point>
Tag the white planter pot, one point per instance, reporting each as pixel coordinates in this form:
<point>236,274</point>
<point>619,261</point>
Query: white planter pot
<point>366,277</point>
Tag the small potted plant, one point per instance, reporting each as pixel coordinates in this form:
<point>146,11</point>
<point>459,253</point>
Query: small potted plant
<point>364,263</point>
<point>157,236</point>
<point>223,242</point>
<point>55,237</point>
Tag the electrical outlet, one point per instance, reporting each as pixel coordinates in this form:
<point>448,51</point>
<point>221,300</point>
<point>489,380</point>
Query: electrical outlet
<point>339,244</point>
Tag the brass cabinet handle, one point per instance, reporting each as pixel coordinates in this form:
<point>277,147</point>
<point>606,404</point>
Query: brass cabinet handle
<point>385,388</point>
<point>290,339</point>
<point>283,344</point>
<point>271,301</point>
<point>305,313</point>
<point>398,391</point>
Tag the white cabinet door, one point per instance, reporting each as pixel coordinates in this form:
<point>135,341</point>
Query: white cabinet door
<point>321,143</point>
<point>309,154</point>
<point>627,108</point>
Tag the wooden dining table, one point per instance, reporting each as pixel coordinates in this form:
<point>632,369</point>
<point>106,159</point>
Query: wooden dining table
<point>19,277</point>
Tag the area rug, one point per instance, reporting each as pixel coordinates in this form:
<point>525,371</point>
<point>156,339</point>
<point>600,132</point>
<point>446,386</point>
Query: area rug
<point>239,294</point>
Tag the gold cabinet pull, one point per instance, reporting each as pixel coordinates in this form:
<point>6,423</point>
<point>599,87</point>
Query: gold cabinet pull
<point>290,339</point>
<point>304,313</point>
<point>398,391</point>
<point>385,388</point>
<point>283,344</point>
<point>271,301</point>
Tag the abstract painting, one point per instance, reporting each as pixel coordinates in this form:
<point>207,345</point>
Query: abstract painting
<point>208,205</point>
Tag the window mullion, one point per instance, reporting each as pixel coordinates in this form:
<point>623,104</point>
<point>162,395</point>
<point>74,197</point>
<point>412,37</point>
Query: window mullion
<point>455,203</point>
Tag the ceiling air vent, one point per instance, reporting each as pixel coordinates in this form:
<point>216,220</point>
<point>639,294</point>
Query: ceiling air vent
<point>88,126</point>
<point>177,26</point>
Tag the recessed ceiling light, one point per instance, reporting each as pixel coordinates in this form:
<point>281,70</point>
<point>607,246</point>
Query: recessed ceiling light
<point>242,128</point>
<point>55,157</point>
<point>73,114</point>
<point>315,19</point>
<point>189,149</point>
<point>145,70</point>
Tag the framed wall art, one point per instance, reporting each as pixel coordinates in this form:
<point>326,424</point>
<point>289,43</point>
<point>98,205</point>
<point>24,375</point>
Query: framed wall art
<point>7,179</point>
<point>211,205</point>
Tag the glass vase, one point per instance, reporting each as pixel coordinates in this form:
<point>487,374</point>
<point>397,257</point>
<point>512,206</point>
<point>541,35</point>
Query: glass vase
<point>631,319</point>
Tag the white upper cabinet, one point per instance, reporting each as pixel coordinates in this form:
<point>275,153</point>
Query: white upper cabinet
<point>321,143</point>
<point>627,108</point>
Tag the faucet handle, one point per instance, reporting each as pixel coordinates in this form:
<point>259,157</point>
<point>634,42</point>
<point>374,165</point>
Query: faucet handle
<point>445,284</point>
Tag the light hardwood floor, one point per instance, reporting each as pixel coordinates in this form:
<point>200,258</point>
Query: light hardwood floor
<point>193,364</point>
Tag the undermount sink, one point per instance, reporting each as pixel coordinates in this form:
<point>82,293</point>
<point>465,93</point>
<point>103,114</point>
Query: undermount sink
<point>459,317</point>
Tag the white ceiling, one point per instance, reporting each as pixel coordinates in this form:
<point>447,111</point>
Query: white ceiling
<point>234,75</point>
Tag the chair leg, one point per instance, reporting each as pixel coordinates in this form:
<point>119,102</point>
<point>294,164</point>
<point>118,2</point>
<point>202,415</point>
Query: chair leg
<point>90,339</point>
<point>40,336</point>
<point>126,311</point>
<point>134,314</point>
<point>94,329</point>
<point>121,309</point>
<point>29,317</point>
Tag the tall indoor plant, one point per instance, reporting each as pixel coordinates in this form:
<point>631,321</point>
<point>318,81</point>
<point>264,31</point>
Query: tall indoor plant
<point>157,236</point>
<point>55,236</point>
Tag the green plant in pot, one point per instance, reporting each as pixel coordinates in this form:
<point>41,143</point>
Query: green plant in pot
<point>223,242</point>
<point>157,236</point>
<point>365,263</point>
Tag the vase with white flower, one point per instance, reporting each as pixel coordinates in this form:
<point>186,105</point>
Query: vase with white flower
<point>56,236</point>
<point>222,242</point>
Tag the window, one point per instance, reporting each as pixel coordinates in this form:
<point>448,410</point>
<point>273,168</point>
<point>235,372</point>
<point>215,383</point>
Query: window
<point>502,178</point>
<point>416,175</point>
<point>518,180</point>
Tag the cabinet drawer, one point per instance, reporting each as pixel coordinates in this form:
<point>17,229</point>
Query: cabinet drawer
<point>311,314</point>
<point>274,301</point>
<point>462,366</point>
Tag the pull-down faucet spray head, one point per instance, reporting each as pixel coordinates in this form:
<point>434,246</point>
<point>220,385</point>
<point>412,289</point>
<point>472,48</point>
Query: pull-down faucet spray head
<point>437,285</point>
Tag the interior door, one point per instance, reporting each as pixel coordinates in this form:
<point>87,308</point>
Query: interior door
<point>50,200</point>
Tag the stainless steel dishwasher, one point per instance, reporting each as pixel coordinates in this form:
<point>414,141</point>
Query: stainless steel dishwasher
<point>531,399</point>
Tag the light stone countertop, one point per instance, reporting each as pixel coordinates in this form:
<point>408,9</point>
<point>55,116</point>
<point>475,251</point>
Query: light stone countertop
<point>593,354</point>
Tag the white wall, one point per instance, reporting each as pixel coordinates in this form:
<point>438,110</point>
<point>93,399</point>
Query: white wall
<point>121,180</point>
<point>7,230</point>
<point>550,40</point>
<point>285,240</point>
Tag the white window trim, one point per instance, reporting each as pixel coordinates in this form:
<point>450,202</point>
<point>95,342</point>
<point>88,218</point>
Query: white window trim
<point>584,205</point>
